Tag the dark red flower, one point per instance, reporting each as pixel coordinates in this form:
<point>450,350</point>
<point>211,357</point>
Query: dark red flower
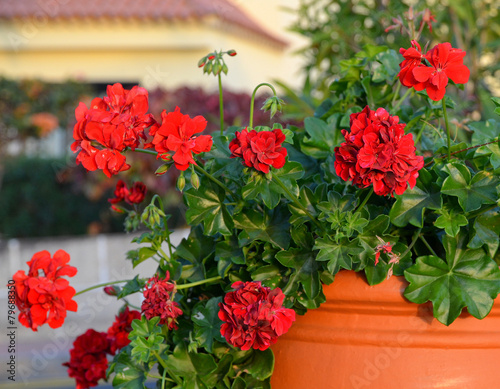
<point>134,195</point>
<point>158,296</point>
<point>137,193</point>
<point>254,316</point>
<point>109,126</point>
<point>446,63</point>
<point>259,149</point>
<point>45,298</point>
<point>88,362</point>
<point>412,59</point>
<point>177,134</point>
<point>118,332</point>
<point>377,152</point>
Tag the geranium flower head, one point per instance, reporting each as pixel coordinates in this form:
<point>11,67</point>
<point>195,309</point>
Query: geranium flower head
<point>177,134</point>
<point>88,359</point>
<point>254,316</point>
<point>118,332</point>
<point>158,294</point>
<point>377,152</point>
<point>259,150</point>
<point>114,122</point>
<point>134,195</point>
<point>43,296</point>
<point>445,63</point>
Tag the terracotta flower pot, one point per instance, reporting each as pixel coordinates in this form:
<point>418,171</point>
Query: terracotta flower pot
<point>372,337</point>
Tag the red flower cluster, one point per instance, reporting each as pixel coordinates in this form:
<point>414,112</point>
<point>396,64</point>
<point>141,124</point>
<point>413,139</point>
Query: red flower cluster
<point>45,298</point>
<point>158,296</point>
<point>377,152</point>
<point>259,149</point>
<point>176,134</point>
<point>134,195</point>
<point>445,62</point>
<point>114,122</point>
<point>118,332</point>
<point>88,361</point>
<point>254,316</point>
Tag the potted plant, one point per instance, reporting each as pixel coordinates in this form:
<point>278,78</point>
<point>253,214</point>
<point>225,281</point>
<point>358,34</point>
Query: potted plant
<point>376,195</point>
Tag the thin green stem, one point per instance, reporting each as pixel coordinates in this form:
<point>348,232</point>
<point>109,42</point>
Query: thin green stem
<point>407,93</point>
<point>100,286</point>
<point>213,179</point>
<point>221,104</point>
<point>422,238</point>
<point>446,123</point>
<point>160,359</point>
<point>365,200</point>
<point>144,151</point>
<point>131,305</point>
<point>414,240</point>
<point>201,282</point>
<point>396,93</point>
<point>296,201</point>
<point>252,101</point>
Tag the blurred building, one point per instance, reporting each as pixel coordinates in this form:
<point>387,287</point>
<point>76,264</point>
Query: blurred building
<point>151,42</point>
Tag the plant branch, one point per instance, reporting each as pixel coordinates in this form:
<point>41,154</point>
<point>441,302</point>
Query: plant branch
<point>252,101</point>
<point>364,201</point>
<point>201,282</point>
<point>407,93</point>
<point>422,238</point>
<point>221,104</point>
<point>447,125</point>
<point>100,286</point>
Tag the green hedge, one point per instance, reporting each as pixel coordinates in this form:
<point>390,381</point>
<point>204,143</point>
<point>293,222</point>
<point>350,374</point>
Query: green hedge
<point>38,199</point>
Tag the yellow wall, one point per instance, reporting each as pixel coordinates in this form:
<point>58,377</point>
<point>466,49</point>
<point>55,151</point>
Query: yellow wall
<point>152,53</point>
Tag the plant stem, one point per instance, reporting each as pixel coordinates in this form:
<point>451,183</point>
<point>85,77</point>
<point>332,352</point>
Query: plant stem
<point>192,284</point>
<point>213,179</point>
<point>428,245</point>
<point>447,125</point>
<point>296,201</point>
<point>407,93</point>
<point>221,104</point>
<point>252,101</point>
<point>367,197</point>
<point>396,94</point>
<point>160,359</point>
<point>146,151</point>
<point>414,240</point>
<point>100,286</point>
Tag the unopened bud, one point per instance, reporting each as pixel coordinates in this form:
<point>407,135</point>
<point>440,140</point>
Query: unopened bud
<point>232,53</point>
<point>216,68</point>
<point>224,68</point>
<point>112,290</point>
<point>163,169</point>
<point>195,180</point>
<point>211,57</point>
<point>202,62</point>
<point>181,182</point>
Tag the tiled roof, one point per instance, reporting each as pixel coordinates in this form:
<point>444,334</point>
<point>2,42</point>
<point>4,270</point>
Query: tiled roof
<point>171,10</point>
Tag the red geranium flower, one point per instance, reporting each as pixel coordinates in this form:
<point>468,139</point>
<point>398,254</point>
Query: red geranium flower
<point>413,59</point>
<point>134,195</point>
<point>259,149</point>
<point>254,316</point>
<point>158,296</point>
<point>445,62</point>
<point>118,332</point>
<point>45,298</point>
<point>88,362</point>
<point>115,122</point>
<point>377,152</point>
<point>176,134</point>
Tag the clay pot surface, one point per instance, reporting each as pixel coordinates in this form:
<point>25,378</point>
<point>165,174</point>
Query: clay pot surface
<point>372,337</point>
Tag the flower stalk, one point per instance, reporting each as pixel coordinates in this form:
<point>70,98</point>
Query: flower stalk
<point>252,100</point>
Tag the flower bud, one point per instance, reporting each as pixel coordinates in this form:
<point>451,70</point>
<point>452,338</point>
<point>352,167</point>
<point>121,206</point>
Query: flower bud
<point>231,53</point>
<point>216,68</point>
<point>224,68</point>
<point>181,182</point>
<point>211,57</point>
<point>112,290</point>
<point>195,180</point>
<point>202,62</point>
<point>163,169</point>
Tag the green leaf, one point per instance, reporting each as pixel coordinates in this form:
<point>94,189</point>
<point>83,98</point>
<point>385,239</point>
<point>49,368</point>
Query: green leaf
<point>207,323</point>
<point>128,374</point>
<point>145,337</point>
<point>468,278</point>
<point>224,366</point>
<point>306,270</point>
<point>484,131</point>
<point>132,286</point>
<point>323,137</point>
<point>338,254</point>
<point>206,205</point>
<point>410,206</point>
<point>307,199</point>
<point>261,365</point>
<point>271,226</point>
<point>486,231</point>
<point>269,275</point>
<point>195,249</point>
<point>471,193</point>
<point>451,220</point>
